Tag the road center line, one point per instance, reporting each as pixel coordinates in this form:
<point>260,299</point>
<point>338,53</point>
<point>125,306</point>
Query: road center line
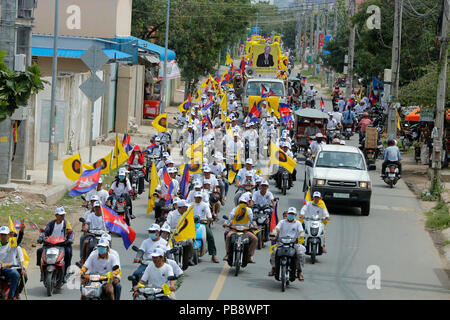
<point>220,282</point>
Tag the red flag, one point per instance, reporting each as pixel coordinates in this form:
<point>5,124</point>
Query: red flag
<point>274,218</point>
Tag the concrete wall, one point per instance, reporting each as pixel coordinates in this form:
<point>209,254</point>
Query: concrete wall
<point>82,17</point>
<point>130,100</point>
<point>77,118</point>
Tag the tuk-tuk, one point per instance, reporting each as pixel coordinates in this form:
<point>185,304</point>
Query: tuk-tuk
<point>303,118</point>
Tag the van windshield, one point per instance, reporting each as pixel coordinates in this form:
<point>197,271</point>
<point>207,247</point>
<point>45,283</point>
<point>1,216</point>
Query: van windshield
<point>254,88</point>
<point>340,160</point>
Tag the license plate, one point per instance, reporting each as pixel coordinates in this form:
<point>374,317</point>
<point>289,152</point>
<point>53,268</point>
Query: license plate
<point>341,195</point>
<point>391,175</point>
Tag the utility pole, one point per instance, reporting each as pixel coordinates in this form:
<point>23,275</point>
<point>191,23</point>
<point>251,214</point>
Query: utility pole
<point>166,45</point>
<point>305,27</point>
<point>311,37</point>
<point>51,135</point>
<point>8,44</point>
<point>335,19</point>
<point>441,91</point>
<point>396,45</point>
<point>351,50</point>
<point>298,37</point>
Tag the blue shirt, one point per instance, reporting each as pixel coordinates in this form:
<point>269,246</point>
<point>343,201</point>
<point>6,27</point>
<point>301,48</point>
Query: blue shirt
<point>349,117</point>
<point>392,154</point>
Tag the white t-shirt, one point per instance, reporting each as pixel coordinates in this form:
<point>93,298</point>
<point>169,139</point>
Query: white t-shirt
<point>289,229</point>
<point>148,245</point>
<point>202,210</point>
<point>172,219</point>
<point>311,209</point>
<point>260,199</point>
<point>217,169</point>
<point>120,188</point>
<point>175,267</point>
<point>157,277</point>
<point>11,255</point>
<point>95,265</point>
<point>95,222</point>
<point>58,230</point>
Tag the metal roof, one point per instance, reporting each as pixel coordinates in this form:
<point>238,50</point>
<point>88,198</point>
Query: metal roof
<point>72,53</point>
<point>311,113</point>
<point>142,44</point>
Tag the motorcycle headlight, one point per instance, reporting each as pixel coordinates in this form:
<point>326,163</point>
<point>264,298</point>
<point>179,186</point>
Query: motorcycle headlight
<point>314,231</point>
<point>364,185</point>
<point>261,220</point>
<point>319,182</point>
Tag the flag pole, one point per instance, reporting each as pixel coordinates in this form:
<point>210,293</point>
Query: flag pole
<point>116,148</point>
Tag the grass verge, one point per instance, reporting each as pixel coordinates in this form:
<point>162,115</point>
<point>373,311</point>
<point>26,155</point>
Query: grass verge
<point>24,213</point>
<point>438,217</point>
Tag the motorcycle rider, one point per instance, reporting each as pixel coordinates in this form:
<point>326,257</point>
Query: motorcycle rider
<point>10,256</point>
<point>233,148</point>
<point>341,103</point>
<point>102,194</point>
<point>314,146</point>
<point>102,263</point>
<point>198,187</point>
<point>122,186</point>
<point>201,210</point>
<point>310,94</point>
<point>153,241</point>
<point>94,221</point>
<point>156,274</point>
<point>58,228</point>
<point>391,156</point>
<point>279,174</point>
<point>157,150</point>
<point>363,124</point>
<point>263,196</point>
<point>312,129</point>
<point>219,170</point>
<point>137,158</point>
<point>252,136</point>
<point>360,107</point>
<point>311,208</point>
<point>243,172</point>
<point>349,119</point>
<point>245,219</point>
<point>292,228</point>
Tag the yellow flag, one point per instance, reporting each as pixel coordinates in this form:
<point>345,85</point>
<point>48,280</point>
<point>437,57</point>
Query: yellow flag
<point>68,226</point>
<point>105,162</point>
<point>273,103</point>
<point>166,289</point>
<point>223,103</point>
<point>26,258</point>
<point>182,106</point>
<point>160,122</point>
<point>185,228</point>
<point>195,165</point>
<point>12,241</point>
<point>193,149</point>
<point>241,215</point>
<point>199,94</point>
<point>72,167</point>
<point>398,121</point>
<point>119,156</point>
<point>11,225</point>
<point>234,168</point>
<point>154,181</point>
<point>228,60</point>
<point>272,247</point>
<point>279,157</point>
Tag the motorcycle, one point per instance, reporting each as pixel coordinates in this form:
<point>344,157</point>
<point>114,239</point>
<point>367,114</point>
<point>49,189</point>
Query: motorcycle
<point>239,248</point>
<point>240,191</point>
<point>310,102</point>
<point>119,205</point>
<point>314,237</point>
<point>94,236</point>
<point>285,262</point>
<point>391,174</point>
<point>200,239</point>
<point>52,263</point>
<point>262,214</point>
<point>348,131</point>
<point>332,134</point>
<point>284,183</point>
<point>4,285</point>
<point>92,289</point>
<point>136,173</point>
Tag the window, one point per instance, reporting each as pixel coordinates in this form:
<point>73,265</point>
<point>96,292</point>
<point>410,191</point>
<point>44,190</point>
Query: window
<point>340,160</point>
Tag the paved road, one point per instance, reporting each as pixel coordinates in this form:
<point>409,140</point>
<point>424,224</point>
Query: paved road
<point>392,237</point>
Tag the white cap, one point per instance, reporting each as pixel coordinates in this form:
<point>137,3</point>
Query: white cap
<point>292,210</point>
<point>258,179</point>
<point>317,194</point>
<point>154,227</point>
<point>172,170</point>
<point>206,181</point>
<point>122,171</point>
<point>100,180</point>
<point>190,125</point>
<point>165,228</point>
<point>103,243</point>
<point>182,203</point>
<point>166,154</point>
<point>169,160</point>
<point>264,183</point>
<point>236,134</point>
<point>319,135</point>
<point>218,156</point>
<point>176,200</point>
<point>97,204</point>
<point>60,211</point>
<point>4,230</point>
<point>157,139</point>
<point>204,96</point>
<point>330,113</point>
<point>198,194</point>
<point>244,198</point>
<point>94,198</point>
<point>198,184</point>
<point>342,142</point>
<point>249,161</point>
<point>158,252</point>
<point>207,169</point>
<point>247,125</point>
<point>106,237</point>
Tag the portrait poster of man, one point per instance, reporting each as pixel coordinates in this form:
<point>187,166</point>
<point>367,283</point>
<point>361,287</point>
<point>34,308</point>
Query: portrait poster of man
<point>266,58</point>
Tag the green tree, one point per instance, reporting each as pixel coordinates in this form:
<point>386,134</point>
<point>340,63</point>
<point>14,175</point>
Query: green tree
<point>17,87</point>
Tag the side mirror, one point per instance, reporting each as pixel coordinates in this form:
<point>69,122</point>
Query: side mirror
<point>372,167</point>
<point>82,220</point>
<point>135,248</point>
<point>83,197</point>
<point>225,217</point>
<point>172,278</point>
<point>309,163</point>
<point>41,230</point>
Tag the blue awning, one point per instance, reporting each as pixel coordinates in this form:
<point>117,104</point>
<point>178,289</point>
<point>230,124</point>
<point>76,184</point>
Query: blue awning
<point>145,45</point>
<point>72,53</point>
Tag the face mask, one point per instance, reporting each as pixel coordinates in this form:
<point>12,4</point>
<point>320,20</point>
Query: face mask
<point>101,250</point>
<point>121,178</point>
<point>291,217</point>
<point>152,236</point>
